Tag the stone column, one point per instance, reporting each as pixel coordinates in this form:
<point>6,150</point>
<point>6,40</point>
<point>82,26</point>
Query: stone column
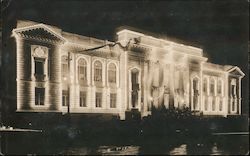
<point>145,89</point>
<point>123,79</point>
<point>239,95</point>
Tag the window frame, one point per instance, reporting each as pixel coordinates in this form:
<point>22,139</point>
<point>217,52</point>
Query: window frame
<point>65,97</point>
<point>98,100</point>
<point>81,95</point>
<point>98,77</point>
<point>113,100</point>
<point>39,100</point>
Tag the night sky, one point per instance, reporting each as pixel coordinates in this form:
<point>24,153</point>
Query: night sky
<point>219,27</point>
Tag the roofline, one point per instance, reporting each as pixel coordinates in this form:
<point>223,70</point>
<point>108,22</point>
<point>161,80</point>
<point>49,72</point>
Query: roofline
<point>17,30</point>
<point>150,35</point>
<point>236,68</point>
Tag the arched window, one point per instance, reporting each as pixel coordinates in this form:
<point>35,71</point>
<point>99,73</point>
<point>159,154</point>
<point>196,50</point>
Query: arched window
<point>219,87</point>
<point>82,70</point>
<point>98,71</point>
<point>112,73</point>
<point>212,83</point>
<point>64,67</point>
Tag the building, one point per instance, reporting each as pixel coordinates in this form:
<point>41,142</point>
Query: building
<point>57,71</point>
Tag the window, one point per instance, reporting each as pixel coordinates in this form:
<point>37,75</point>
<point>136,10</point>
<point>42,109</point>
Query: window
<point>212,87</point>
<point>83,98</point>
<point>233,90</point>
<point>213,104</point>
<point>195,92</point>
<point>205,85</point>
<point>233,105</point>
<point>221,104</point>
<point>39,96</point>
<point>113,100</point>
<point>206,103</point>
<point>82,70</point>
<point>39,66</point>
<point>98,100</point>
<point>64,67</point>
<point>98,71</point>
<point>65,98</point>
<point>219,87</point>
<point>112,73</point>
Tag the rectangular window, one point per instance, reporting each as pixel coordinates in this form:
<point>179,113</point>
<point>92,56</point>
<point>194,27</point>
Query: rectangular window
<point>39,66</point>
<point>98,99</point>
<point>64,71</point>
<point>233,105</point>
<point>219,89</point>
<point>98,75</point>
<point>233,90</point>
<point>83,98</point>
<point>82,73</point>
<point>213,104</point>
<point>212,89</point>
<point>113,100</point>
<point>205,86</point>
<point>39,96</point>
<point>65,98</point>
<point>206,103</point>
<point>221,104</point>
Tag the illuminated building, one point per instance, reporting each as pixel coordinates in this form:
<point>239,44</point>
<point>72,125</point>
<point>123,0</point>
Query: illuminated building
<point>57,69</point>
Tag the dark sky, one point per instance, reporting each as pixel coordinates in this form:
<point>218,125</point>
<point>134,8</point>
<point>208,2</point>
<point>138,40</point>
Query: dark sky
<point>219,27</point>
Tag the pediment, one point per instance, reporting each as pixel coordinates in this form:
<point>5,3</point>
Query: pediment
<point>236,71</point>
<point>39,32</point>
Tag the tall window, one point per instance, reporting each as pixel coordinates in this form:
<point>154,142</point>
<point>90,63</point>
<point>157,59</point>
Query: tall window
<point>82,70</point>
<point>113,100</point>
<point>212,86</point>
<point>233,105</point>
<point>234,90</point>
<point>64,67</point>
<point>206,103</point>
<point>196,93</point>
<point>112,73</point>
<point>213,104</point>
<point>219,87</point>
<point>39,96</point>
<point>39,66</point>
<point>221,104</point>
<point>83,98</point>
<point>98,99</point>
<point>98,71</point>
<point>205,85</point>
<point>65,98</point>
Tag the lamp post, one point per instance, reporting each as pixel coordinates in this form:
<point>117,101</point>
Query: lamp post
<point>69,82</point>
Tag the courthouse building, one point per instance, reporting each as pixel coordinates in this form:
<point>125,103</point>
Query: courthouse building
<point>57,71</point>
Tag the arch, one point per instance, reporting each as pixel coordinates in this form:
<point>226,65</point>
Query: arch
<point>82,70</point>
<point>98,71</point>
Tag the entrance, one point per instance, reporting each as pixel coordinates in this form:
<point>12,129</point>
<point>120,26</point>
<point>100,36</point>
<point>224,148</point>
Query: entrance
<point>135,87</point>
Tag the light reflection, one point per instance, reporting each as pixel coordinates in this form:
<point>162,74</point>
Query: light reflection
<point>181,150</point>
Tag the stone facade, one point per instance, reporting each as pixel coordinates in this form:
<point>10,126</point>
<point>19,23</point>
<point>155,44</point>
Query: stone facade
<point>64,72</point>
